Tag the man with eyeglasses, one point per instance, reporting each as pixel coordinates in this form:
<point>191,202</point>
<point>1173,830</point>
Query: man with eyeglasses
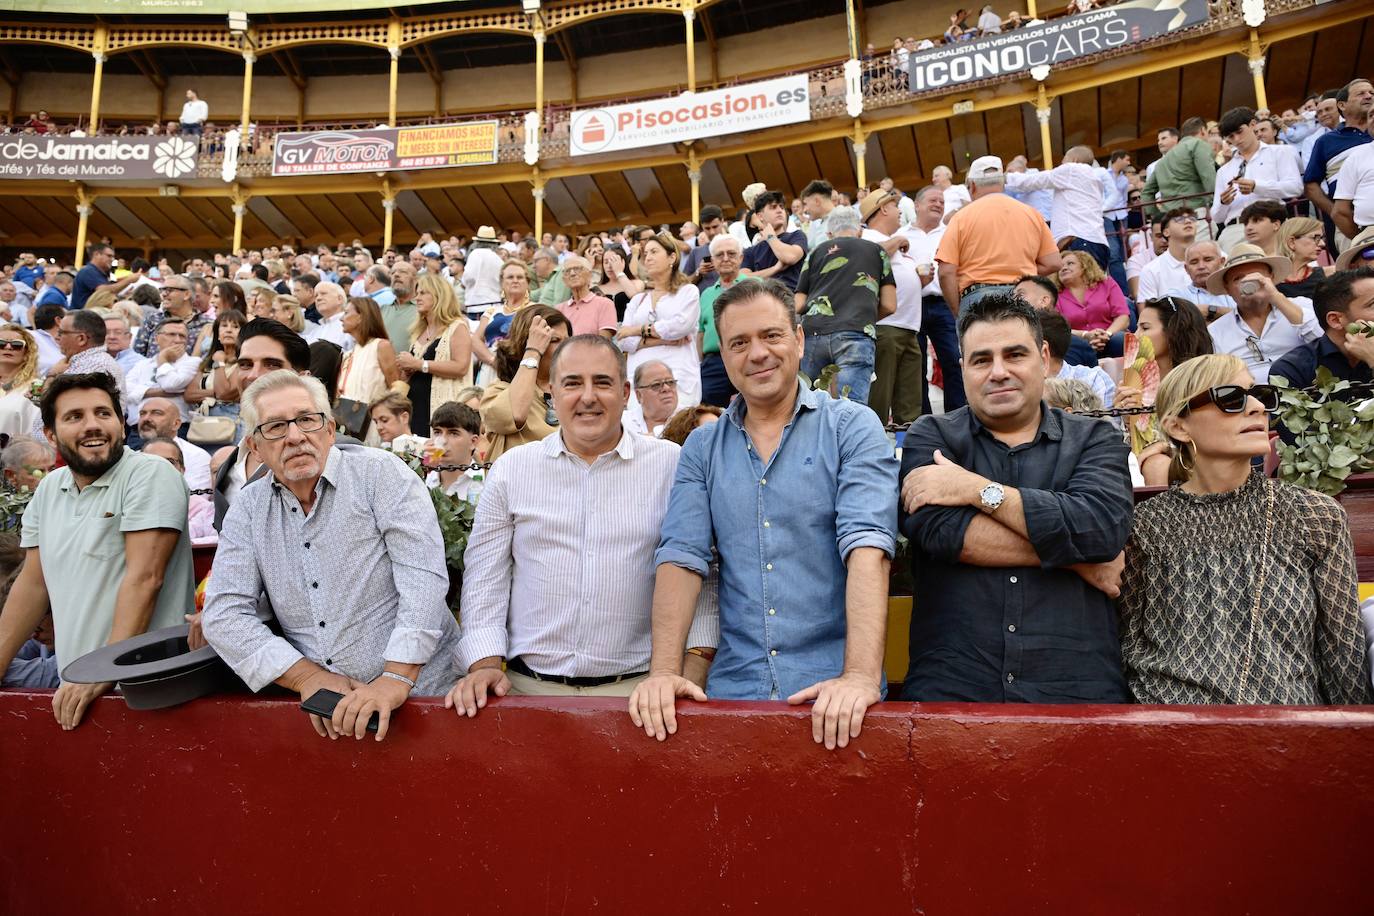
<point>177,302</point>
<point>96,276</point>
<point>81,337</point>
<point>656,390</point>
<point>728,257</point>
<point>343,541</point>
<point>587,312</point>
<point>1179,228</point>
<point>1266,324</point>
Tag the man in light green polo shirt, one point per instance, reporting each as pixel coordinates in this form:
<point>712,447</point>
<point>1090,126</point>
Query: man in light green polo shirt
<point>728,257</point>
<point>105,537</point>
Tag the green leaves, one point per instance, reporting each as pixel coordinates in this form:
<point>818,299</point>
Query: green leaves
<point>833,264</point>
<point>820,305</point>
<point>871,331</point>
<point>867,282</point>
<point>1333,431</point>
<point>455,516</point>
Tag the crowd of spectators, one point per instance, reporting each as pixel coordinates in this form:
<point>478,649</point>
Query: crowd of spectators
<point>693,454</point>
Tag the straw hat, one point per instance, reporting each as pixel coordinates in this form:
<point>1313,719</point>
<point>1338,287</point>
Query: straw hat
<point>873,202</point>
<point>1359,243</point>
<point>485,236</point>
<point>1244,255</point>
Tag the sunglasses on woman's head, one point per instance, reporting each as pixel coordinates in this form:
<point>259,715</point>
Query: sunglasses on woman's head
<point>1233,398</point>
<point>1168,303</point>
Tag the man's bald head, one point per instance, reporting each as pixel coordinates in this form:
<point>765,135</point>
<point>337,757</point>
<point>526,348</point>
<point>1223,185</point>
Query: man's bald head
<point>158,418</point>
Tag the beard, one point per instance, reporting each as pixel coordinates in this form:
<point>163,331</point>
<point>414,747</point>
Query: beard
<point>72,457</point>
<point>294,474</point>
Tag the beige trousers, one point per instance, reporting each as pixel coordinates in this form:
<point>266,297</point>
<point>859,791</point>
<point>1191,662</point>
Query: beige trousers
<point>520,685</point>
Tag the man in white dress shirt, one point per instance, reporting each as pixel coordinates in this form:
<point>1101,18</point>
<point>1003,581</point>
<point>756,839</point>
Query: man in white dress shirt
<point>1179,227</point>
<point>165,373</point>
<point>482,274</point>
<point>1266,324</point>
<point>1078,200</point>
<point>158,419</point>
<point>1353,207</point>
<point>558,579</point>
<point>329,302</point>
<point>193,113</point>
<point>1257,171</point>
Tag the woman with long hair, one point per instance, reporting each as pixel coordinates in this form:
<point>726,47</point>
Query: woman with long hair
<point>515,408</point>
<point>516,279</point>
<point>18,371</point>
<point>1302,240</point>
<point>1092,302</point>
<point>225,295</point>
<point>369,369</point>
<point>439,363</point>
<point>1237,588</point>
<point>661,322</point>
<point>218,375</point>
<point>594,250</point>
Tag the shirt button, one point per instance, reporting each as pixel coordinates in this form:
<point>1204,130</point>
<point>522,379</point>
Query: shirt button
<point>307,545</point>
<point>314,585</point>
<point>772,611</point>
<point>293,508</point>
<point>321,623</point>
<point>763,481</point>
<point>772,651</point>
<point>1010,677</point>
<point>767,525</point>
<point>1011,627</point>
<point>330,661</point>
<point>769,566</point>
<point>1013,580</point>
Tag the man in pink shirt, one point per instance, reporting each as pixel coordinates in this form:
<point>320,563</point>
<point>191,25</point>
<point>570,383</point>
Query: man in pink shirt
<point>587,313</point>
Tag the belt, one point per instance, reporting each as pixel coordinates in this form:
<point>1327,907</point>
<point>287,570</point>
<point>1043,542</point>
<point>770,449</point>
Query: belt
<point>975,286</point>
<point>519,667</point>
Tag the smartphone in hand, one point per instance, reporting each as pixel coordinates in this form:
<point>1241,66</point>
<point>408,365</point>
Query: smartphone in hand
<point>322,703</point>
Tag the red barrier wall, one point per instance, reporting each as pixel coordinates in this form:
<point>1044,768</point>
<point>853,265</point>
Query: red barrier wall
<point>235,806</point>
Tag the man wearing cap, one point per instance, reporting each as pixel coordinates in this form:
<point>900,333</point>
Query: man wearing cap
<point>846,285</point>
<point>777,253</point>
<point>899,362</point>
<point>1345,297</point>
<point>482,274</point>
<point>995,241</point>
<point>1078,193</point>
<point>1266,324</point>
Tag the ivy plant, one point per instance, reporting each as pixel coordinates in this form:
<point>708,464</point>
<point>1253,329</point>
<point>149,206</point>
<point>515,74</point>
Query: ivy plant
<point>1333,428</point>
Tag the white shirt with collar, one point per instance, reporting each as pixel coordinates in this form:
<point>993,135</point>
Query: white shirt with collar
<point>331,329</point>
<point>1200,296</point>
<point>560,568</point>
<point>922,251</point>
<point>1232,335</point>
<point>172,378</point>
<point>956,196</point>
<point>1273,169</point>
<point>197,462</point>
<point>1164,272</point>
<point>908,313</point>
<point>1077,199</point>
<point>1356,184</point>
<point>194,111</point>
<point>49,353</point>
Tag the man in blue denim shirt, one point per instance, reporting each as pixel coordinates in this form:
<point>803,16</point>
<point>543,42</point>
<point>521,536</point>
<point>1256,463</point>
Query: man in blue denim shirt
<point>797,491</point>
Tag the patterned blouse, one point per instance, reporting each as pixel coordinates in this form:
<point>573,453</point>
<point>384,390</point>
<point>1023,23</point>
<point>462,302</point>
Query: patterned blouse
<point>1188,597</point>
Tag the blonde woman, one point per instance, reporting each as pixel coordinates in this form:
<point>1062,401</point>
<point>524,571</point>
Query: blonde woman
<point>18,370</point>
<point>1302,240</point>
<point>1237,588</point>
<point>516,278</point>
<point>1092,302</point>
<point>287,310</point>
<point>661,322</point>
<point>439,363</point>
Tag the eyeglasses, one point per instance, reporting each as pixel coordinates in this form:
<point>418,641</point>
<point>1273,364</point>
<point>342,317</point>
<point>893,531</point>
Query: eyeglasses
<point>276,429</point>
<point>1253,344</point>
<point>668,384</point>
<point>12,345</point>
<point>174,289</point>
<point>1233,398</point>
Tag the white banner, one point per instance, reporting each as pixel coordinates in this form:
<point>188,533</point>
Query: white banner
<point>691,116</point>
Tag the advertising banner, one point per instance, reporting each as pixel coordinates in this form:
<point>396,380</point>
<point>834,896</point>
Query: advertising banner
<point>48,157</point>
<point>1051,43</point>
<point>690,116</point>
<point>385,149</point>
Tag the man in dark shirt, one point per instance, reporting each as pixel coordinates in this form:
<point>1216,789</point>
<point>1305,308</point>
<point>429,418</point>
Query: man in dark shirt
<point>96,275</point>
<point>846,285</point>
<point>699,262</point>
<point>777,253</point>
<point>1017,515</point>
<point>1342,298</point>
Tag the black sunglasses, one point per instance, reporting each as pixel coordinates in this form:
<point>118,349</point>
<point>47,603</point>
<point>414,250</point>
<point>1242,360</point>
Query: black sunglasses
<point>1233,398</point>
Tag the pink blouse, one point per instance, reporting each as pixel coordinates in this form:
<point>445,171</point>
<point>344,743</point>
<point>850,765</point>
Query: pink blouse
<point>1104,303</point>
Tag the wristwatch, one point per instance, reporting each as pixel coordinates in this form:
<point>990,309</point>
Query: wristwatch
<point>530,363</point>
<point>991,497</point>
<point>1212,312</point>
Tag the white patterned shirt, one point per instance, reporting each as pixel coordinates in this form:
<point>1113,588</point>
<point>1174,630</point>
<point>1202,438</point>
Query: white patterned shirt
<point>559,569</point>
<point>1230,334</point>
<point>358,582</point>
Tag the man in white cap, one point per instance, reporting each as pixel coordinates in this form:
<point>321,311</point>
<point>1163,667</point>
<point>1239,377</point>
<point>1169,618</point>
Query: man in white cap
<point>1266,324</point>
<point>994,242</point>
<point>482,274</point>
